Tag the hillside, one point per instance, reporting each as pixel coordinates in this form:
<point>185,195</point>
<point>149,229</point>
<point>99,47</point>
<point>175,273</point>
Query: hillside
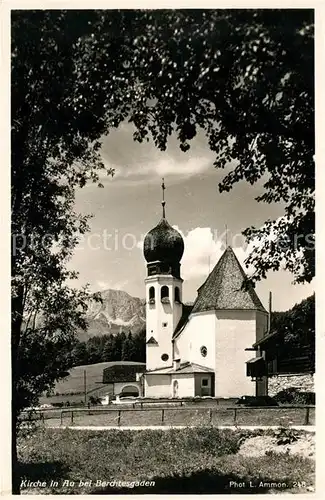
<point>74,383</point>
<point>118,311</point>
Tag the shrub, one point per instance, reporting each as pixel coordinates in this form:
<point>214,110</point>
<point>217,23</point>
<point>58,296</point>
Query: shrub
<point>292,395</point>
<point>94,400</point>
<point>285,435</point>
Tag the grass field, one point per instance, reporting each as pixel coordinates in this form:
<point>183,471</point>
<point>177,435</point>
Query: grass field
<point>174,416</point>
<point>201,460</point>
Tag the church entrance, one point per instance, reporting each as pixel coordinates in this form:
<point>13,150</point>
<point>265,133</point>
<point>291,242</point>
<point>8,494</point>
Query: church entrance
<point>175,389</point>
<point>204,384</point>
<point>205,387</point>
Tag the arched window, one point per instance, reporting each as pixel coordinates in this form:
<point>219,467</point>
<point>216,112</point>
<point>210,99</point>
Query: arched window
<point>164,292</point>
<point>177,294</point>
<point>152,293</point>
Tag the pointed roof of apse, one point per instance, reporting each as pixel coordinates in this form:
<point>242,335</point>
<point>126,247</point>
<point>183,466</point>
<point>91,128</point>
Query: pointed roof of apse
<point>223,288</point>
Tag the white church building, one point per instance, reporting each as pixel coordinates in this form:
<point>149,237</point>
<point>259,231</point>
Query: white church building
<point>203,349</point>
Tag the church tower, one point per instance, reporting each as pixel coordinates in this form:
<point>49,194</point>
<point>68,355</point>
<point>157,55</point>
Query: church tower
<point>163,249</point>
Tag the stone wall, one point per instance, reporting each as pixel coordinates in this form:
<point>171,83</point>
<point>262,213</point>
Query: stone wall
<point>304,382</point>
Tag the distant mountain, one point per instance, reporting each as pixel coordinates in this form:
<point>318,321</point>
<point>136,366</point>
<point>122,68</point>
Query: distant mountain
<point>119,311</point>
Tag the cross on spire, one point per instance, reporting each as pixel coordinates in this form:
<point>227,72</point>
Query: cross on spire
<point>163,197</point>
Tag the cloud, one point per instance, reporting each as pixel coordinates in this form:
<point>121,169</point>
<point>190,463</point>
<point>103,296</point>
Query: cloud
<point>163,167</point>
<point>201,252</point>
<point>118,285</point>
<point>134,162</point>
<point>103,285</point>
<point>167,166</point>
<point>204,247</point>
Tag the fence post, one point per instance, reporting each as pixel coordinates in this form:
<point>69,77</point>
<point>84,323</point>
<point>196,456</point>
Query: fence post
<point>71,416</point>
<point>307,416</point>
<point>235,415</point>
<point>162,415</point>
<point>119,418</point>
<point>61,418</point>
<point>210,415</point>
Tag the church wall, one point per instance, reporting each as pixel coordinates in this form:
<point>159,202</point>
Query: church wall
<point>153,356</point>
<point>181,347</point>
<point>185,384</point>
<point>199,332</point>
<point>157,386</point>
<point>235,331</point>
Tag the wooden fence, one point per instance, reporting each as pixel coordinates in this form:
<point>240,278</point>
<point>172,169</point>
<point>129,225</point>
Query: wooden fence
<point>43,415</point>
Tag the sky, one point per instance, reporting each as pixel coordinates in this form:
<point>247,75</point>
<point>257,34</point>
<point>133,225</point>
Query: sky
<point>129,205</point>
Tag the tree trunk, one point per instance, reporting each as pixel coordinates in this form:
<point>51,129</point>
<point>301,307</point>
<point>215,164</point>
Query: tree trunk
<point>15,481</point>
<point>17,314</point>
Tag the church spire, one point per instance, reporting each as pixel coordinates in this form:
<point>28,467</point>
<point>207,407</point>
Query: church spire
<point>163,203</point>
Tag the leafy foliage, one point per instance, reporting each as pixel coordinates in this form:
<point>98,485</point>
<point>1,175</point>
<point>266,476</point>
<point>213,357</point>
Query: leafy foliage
<point>285,435</point>
<point>296,329</point>
<point>110,347</point>
<point>292,395</point>
<point>298,323</point>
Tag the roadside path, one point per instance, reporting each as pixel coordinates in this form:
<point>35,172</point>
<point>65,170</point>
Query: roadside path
<point>308,428</point>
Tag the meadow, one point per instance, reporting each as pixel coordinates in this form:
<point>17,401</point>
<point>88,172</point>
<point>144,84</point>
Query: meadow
<point>200,460</point>
<point>71,388</point>
<point>190,414</point>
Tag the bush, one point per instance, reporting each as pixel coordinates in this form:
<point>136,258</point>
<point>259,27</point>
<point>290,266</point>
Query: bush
<point>292,395</point>
<point>94,400</point>
<point>285,435</point>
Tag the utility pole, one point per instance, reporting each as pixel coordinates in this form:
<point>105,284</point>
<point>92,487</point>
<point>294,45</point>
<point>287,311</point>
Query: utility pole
<point>270,313</point>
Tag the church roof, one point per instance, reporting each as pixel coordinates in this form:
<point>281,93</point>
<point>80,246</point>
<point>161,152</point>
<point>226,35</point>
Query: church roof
<point>163,243</point>
<point>185,367</point>
<point>186,311</point>
<point>223,289</point>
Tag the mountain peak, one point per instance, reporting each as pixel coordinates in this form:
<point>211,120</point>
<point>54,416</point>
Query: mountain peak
<point>117,311</point>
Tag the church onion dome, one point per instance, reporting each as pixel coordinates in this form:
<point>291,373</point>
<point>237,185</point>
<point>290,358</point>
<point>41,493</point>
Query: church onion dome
<point>163,243</point>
